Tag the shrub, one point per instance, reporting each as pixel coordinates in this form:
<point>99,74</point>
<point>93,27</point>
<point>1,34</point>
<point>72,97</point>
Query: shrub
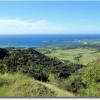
<point>3,53</point>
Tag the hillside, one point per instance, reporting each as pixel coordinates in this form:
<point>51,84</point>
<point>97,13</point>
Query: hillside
<point>25,72</point>
<point>35,64</point>
<point>19,85</point>
<point>85,82</point>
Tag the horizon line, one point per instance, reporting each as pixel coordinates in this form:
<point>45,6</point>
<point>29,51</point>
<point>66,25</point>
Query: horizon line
<point>52,34</point>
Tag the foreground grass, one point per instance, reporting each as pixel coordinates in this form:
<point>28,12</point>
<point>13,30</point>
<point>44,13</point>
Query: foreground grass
<point>85,82</point>
<point>59,92</point>
<point>18,85</point>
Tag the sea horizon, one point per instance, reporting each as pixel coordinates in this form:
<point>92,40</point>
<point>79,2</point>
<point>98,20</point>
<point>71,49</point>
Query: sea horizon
<point>38,40</point>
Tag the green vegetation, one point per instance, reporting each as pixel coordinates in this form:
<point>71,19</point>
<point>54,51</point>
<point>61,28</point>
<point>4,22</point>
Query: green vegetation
<point>85,82</point>
<point>88,54</point>
<point>66,71</point>
<point>19,85</point>
<point>35,64</point>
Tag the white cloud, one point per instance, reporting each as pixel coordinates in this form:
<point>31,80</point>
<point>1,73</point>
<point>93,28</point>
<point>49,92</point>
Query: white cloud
<point>18,26</point>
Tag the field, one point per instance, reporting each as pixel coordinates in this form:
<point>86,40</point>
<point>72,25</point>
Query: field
<point>88,54</point>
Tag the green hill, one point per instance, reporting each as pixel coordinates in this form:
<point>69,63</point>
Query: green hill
<point>35,64</point>
<point>85,82</point>
<point>25,72</point>
<point>19,85</point>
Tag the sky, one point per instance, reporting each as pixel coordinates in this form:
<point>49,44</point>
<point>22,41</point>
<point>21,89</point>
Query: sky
<point>43,17</point>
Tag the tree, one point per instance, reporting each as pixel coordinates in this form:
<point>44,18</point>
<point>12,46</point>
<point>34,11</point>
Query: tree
<point>3,53</point>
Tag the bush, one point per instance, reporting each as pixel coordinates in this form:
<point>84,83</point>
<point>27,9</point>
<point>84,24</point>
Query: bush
<point>85,83</point>
<point>3,68</point>
<point>3,53</point>
<point>36,71</point>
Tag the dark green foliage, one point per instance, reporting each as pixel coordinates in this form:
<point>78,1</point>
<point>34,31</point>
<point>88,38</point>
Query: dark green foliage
<point>38,72</point>
<point>67,70</point>
<point>77,58</point>
<point>3,53</point>
<point>35,64</point>
<point>76,85</point>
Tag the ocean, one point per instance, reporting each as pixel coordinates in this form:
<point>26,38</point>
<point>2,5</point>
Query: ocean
<point>44,39</point>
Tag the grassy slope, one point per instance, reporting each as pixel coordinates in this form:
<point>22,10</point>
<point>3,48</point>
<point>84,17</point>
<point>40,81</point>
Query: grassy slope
<point>18,85</point>
<point>59,92</point>
<point>86,81</point>
<point>90,77</point>
<point>88,54</point>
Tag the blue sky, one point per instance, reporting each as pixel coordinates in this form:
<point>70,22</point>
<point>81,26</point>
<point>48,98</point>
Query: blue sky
<point>49,17</point>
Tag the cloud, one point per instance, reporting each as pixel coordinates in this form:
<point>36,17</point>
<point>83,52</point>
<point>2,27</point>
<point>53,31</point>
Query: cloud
<point>19,26</point>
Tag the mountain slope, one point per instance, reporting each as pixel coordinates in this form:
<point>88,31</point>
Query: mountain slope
<point>19,85</point>
<point>85,82</point>
<point>59,92</point>
<point>35,64</point>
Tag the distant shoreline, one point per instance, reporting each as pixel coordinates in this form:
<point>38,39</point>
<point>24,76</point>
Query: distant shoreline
<point>47,40</point>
